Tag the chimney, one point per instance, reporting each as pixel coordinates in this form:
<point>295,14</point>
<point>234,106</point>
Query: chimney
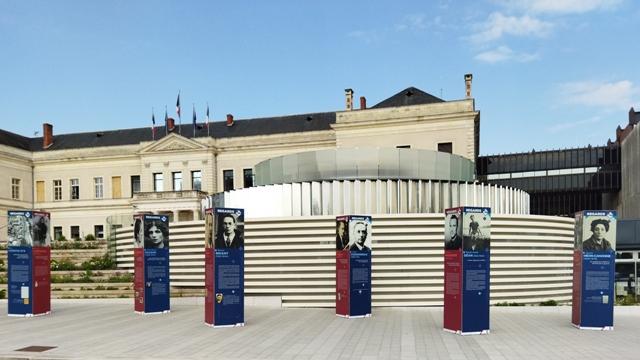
<point>363,103</point>
<point>171,124</point>
<point>349,94</point>
<point>229,120</point>
<point>467,85</point>
<point>47,135</point>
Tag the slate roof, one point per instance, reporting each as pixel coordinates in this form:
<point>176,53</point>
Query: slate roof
<point>408,96</point>
<point>218,130</point>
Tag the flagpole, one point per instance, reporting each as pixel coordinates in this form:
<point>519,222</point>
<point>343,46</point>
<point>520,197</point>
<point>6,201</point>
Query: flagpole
<point>179,115</point>
<point>194,119</point>
<point>207,119</point>
<point>153,124</point>
<point>166,125</point>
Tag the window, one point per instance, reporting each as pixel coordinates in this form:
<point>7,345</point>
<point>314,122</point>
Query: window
<point>445,147</point>
<point>75,232</point>
<point>248,177</point>
<point>227,179</point>
<point>177,181</point>
<point>57,189</point>
<point>15,189</point>
<point>158,182</point>
<point>196,180</point>
<point>135,184</point>
<point>98,185</point>
<point>57,232</point>
<point>116,187</point>
<point>98,231</point>
<point>40,191</point>
<point>75,189</point>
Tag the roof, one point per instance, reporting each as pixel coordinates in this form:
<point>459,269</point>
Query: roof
<point>408,96</point>
<point>218,130</point>
<point>14,140</point>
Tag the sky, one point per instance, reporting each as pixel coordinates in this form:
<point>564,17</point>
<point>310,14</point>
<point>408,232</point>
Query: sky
<point>547,74</point>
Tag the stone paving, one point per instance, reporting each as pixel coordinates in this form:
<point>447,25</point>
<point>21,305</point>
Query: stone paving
<point>109,329</point>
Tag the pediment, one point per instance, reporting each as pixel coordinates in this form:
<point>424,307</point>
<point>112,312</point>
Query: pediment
<point>172,143</point>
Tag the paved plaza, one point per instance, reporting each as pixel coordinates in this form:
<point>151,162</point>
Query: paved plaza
<point>109,329</point>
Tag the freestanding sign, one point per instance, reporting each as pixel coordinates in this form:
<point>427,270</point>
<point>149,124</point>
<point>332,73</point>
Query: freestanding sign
<point>29,258</point>
<point>224,267</point>
<point>594,263</point>
<point>353,266</point>
<point>466,270</point>
<point>151,264</point>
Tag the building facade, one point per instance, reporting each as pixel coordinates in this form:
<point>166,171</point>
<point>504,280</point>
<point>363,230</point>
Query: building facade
<point>89,181</point>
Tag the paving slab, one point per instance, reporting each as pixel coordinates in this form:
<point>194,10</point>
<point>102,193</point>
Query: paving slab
<point>109,329</point>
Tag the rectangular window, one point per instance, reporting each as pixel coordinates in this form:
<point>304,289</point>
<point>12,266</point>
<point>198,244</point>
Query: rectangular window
<point>57,189</point>
<point>135,184</point>
<point>40,191</point>
<point>75,189</point>
<point>445,147</point>
<point>98,185</point>
<point>116,187</point>
<point>248,177</point>
<point>75,232</point>
<point>98,231</point>
<point>196,180</point>
<point>227,179</point>
<point>57,232</point>
<point>158,182</point>
<point>15,189</point>
<point>177,181</point>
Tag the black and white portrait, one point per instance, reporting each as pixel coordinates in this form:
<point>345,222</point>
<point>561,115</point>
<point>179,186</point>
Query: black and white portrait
<point>360,234</point>
<point>453,231</point>
<point>229,231</point>
<point>476,231</point>
<point>20,229</point>
<point>598,233</point>
<point>156,233</point>
<point>41,234</point>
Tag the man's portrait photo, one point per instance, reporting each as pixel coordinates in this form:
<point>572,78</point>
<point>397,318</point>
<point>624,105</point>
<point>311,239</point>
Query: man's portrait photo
<point>452,231</point>
<point>360,233</point>
<point>229,232</point>
<point>342,235</point>
<point>208,229</point>
<point>41,235</point>
<point>477,231</point>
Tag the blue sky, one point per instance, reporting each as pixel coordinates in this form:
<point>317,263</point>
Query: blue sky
<point>547,73</point>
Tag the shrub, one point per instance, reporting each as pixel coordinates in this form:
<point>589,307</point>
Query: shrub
<point>549,303</point>
<point>505,303</point>
<point>89,237</point>
<point>63,265</point>
<point>99,263</point>
<point>628,299</point>
<point>3,279</point>
<point>3,293</point>
<point>121,278</point>
<point>61,238</point>
<point>2,267</point>
<point>86,276</point>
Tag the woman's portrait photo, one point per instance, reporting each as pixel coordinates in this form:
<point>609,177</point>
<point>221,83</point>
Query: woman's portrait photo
<point>156,234</point>
<point>601,234</point>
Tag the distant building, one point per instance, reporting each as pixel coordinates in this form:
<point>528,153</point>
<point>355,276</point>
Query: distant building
<point>89,181</point>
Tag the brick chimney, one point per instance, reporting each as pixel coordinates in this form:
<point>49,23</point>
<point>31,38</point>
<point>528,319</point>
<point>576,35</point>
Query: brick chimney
<point>229,120</point>
<point>349,95</point>
<point>363,103</point>
<point>171,124</point>
<point>467,85</point>
<point>47,135</point>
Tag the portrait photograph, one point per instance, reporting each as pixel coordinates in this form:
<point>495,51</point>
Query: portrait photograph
<point>360,234</point>
<point>229,230</point>
<point>138,232</point>
<point>476,231</point>
<point>599,233</point>
<point>156,232</point>
<point>453,231</point>
<point>208,229</point>
<point>342,234</point>
<point>41,234</point>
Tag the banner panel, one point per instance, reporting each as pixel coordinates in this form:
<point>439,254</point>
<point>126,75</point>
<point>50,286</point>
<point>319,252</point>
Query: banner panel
<point>453,270</point>
<point>343,259</point>
<point>19,285</point>
<point>228,267</point>
<point>41,278</point>
<point>156,274</point>
<point>360,283</point>
<point>476,243</point>
<point>596,247</point>
<point>138,279</point>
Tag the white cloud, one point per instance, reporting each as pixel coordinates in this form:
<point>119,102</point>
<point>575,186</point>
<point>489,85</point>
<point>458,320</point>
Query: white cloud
<point>612,95</point>
<point>412,22</point>
<point>498,25</point>
<point>504,53</point>
<point>368,36</point>
<point>560,127</point>
<point>561,6</point>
